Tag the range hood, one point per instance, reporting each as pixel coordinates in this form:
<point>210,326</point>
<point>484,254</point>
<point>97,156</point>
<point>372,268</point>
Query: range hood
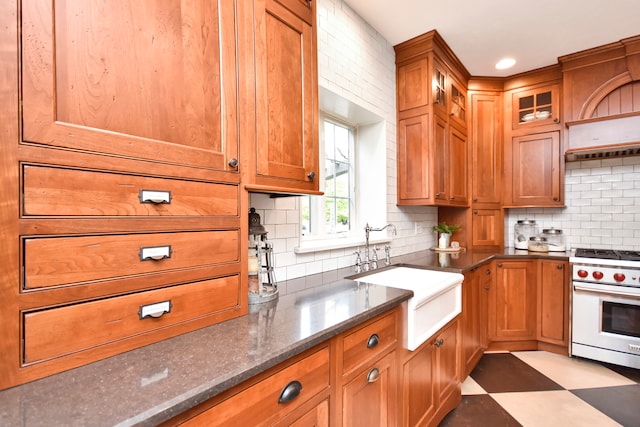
<point>603,138</point>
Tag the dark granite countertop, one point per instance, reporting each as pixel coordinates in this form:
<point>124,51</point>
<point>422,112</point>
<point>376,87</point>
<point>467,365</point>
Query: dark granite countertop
<point>154,383</point>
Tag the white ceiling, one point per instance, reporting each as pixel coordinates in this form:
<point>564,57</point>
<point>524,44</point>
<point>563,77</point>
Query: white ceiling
<point>481,32</point>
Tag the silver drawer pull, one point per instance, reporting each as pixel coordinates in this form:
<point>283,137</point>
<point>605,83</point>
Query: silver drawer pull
<point>155,197</point>
<point>373,375</point>
<point>155,310</point>
<point>155,253</point>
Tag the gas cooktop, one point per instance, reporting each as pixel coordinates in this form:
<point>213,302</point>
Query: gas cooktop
<point>608,254</point>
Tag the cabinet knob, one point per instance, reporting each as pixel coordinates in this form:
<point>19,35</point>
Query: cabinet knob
<point>555,199</point>
<point>437,194</point>
<point>488,272</point>
<point>560,266</point>
<point>452,197</point>
<point>311,175</point>
<point>373,341</point>
<point>475,200</point>
<point>475,212</point>
<point>290,392</point>
<point>438,343</point>
<point>233,162</point>
<point>499,264</point>
<point>487,288</point>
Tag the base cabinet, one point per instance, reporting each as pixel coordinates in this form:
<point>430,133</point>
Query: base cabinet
<point>553,302</point>
<point>284,391</point>
<point>369,398</point>
<point>529,305</point>
<point>431,378</point>
<point>512,304</point>
<point>475,290</point>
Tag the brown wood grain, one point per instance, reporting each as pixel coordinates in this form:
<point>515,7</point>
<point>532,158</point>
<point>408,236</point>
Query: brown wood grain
<point>60,331</point>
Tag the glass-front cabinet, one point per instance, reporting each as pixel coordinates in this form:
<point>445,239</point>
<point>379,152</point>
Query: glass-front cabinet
<point>458,105</point>
<point>536,106</point>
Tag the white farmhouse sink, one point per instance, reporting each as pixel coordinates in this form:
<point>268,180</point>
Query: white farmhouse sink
<point>437,298</point>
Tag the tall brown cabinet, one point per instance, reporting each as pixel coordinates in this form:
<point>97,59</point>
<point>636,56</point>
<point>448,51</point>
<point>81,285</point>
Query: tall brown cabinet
<point>123,176</point>
<point>432,123</point>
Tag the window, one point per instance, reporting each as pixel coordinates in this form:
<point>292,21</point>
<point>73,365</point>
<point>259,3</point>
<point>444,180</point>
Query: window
<point>333,213</point>
<point>353,177</point>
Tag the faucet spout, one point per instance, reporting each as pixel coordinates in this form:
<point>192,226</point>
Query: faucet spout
<point>367,230</point>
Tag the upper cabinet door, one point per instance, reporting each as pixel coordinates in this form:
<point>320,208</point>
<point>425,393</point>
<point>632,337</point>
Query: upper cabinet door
<point>536,170</point>
<point>139,79</point>
<point>286,90</point>
<point>535,107</point>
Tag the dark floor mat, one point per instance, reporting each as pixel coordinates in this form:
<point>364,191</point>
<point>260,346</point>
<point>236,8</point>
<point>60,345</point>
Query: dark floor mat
<point>479,411</point>
<point>504,372</point>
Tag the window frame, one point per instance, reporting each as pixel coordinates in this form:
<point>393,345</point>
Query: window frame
<point>317,204</point>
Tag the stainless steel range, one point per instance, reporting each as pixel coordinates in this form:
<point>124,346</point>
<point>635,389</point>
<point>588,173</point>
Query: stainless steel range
<point>605,317</point>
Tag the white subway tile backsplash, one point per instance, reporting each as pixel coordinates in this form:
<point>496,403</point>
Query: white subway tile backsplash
<point>274,217</point>
<point>602,205</point>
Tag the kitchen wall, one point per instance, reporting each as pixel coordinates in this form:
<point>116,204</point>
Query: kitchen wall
<point>355,62</point>
<point>602,210</point>
<point>358,64</point>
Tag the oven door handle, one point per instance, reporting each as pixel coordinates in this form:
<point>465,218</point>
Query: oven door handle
<point>606,291</point>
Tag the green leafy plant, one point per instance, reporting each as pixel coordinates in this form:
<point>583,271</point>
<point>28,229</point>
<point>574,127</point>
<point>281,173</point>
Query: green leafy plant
<point>443,227</point>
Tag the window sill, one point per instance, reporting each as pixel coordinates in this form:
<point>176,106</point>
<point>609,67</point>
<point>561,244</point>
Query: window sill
<point>328,245</point>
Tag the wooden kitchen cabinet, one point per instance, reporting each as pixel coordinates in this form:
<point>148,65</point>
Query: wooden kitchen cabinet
<point>554,283</point>
<point>534,155</point>
<point>134,80</point>
<point>481,226</point>
<point>535,107</point>
<point>513,305</point>
<point>486,148</point>
<point>368,381</point>
<point>350,379</point>
<point>369,398</point>
<point>536,169</point>
<point>473,321</point>
<point>432,124</point>
<point>120,175</point>
<point>430,386</point>
<point>281,105</point>
<point>297,391</point>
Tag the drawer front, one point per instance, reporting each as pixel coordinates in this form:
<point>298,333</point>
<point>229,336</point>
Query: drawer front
<point>258,404</point>
<point>72,260</point>
<point>61,331</point>
<point>369,341</point>
<point>68,192</point>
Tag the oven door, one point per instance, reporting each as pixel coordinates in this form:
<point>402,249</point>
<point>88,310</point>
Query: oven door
<point>607,317</point>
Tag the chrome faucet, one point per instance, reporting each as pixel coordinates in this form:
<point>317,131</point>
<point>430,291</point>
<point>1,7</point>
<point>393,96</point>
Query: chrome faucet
<point>367,262</point>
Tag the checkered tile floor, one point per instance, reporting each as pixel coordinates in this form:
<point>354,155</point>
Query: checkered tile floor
<point>536,388</point>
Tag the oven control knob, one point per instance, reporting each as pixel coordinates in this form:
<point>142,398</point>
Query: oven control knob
<point>618,277</point>
<point>598,275</point>
<point>582,273</point>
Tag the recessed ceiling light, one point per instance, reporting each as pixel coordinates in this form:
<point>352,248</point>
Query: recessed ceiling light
<point>505,63</point>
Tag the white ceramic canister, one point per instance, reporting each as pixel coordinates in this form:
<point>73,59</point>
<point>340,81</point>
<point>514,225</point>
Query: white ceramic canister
<point>524,230</point>
<point>555,239</point>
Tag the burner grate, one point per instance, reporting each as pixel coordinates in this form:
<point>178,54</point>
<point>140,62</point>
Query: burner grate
<point>597,253</point>
<point>629,255</point>
<point>608,254</point>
